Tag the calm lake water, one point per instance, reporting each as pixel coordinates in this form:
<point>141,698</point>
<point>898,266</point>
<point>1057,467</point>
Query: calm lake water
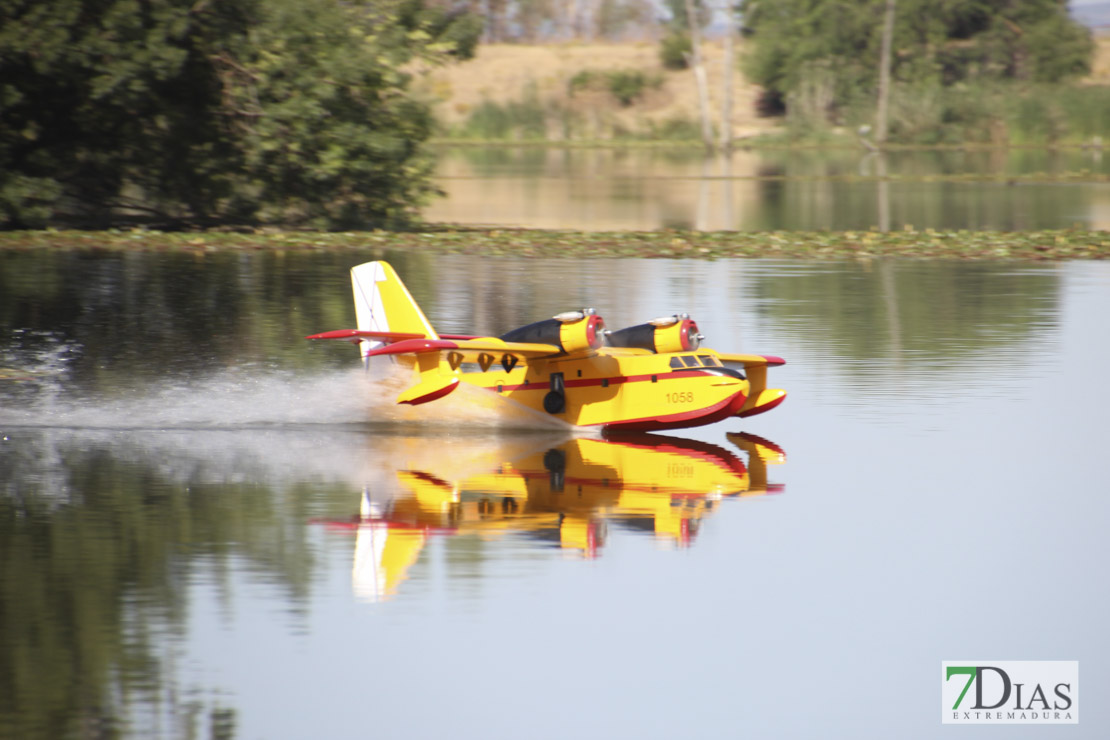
<point>194,506</point>
<point>767,189</point>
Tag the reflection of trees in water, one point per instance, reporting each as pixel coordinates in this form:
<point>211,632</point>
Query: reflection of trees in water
<point>885,190</point>
<point>770,189</point>
<point>495,295</point>
<point>101,535</point>
<point>926,315</point>
<point>137,314</point>
<point>115,324</point>
<point>127,318</point>
<point>123,319</point>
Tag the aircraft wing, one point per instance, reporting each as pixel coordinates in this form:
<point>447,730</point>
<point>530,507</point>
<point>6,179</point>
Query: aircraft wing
<point>750,361</point>
<point>468,350</point>
<point>357,335</point>
<point>468,347</point>
<point>471,348</point>
<point>625,351</point>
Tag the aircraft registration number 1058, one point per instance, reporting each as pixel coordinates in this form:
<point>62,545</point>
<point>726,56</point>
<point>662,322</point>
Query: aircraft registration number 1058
<point>680,397</point>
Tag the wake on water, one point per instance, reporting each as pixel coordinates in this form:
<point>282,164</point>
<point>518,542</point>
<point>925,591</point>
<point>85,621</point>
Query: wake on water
<point>245,423</point>
<point>37,393</point>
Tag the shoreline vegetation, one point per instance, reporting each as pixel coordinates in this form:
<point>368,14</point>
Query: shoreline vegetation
<point>246,114</point>
<point>907,242</point>
<point>771,141</point>
<point>600,93</point>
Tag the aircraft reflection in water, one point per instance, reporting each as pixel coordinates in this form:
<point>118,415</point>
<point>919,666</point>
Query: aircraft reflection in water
<point>566,494</point>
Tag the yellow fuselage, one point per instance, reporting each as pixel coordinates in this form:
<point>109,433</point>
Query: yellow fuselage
<point>622,390</point>
<point>569,367</point>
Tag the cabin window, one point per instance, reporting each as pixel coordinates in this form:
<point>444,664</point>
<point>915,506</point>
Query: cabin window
<point>605,382</point>
<point>690,360</point>
<point>676,363</point>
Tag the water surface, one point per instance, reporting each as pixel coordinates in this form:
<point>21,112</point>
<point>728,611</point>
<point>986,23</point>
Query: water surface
<point>647,189</point>
<point>209,527</point>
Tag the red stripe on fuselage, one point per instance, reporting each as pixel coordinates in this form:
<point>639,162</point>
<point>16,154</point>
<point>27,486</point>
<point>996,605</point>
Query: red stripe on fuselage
<point>700,417</point>
<point>614,380</point>
<point>620,484</point>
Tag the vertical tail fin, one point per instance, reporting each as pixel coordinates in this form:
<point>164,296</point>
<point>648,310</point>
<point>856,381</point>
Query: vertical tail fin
<point>383,303</point>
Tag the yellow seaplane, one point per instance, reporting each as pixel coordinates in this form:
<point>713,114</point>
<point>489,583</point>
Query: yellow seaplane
<point>562,493</point>
<point>649,377</point>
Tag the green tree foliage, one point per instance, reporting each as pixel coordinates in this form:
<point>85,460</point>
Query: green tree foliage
<point>179,111</point>
<point>678,20</point>
<point>795,44</point>
<point>626,85</point>
<point>674,49</point>
<point>675,46</point>
<point>98,99</point>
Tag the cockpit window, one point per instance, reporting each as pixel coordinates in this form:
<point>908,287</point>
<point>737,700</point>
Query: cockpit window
<point>690,360</point>
<point>676,363</point>
<point>709,361</point>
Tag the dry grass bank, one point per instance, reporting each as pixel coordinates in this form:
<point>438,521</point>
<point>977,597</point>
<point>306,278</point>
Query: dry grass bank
<point>1100,67</point>
<point>504,73</point>
<point>509,73</point>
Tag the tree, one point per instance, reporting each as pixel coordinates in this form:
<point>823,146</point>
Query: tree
<point>202,112</point>
<point>676,46</point>
<point>318,101</point>
<point>836,43</point>
<point>100,99</point>
<point>884,72</point>
<point>699,75</point>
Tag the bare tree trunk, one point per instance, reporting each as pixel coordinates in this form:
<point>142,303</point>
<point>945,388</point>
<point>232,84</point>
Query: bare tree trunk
<point>726,191</point>
<point>884,73</point>
<point>726,85</point>
<point>699,75</point>
<point>883,194</point>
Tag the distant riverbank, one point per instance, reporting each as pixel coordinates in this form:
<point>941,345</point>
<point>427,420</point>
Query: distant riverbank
<point>607,92</point>
<point>1061,244</point>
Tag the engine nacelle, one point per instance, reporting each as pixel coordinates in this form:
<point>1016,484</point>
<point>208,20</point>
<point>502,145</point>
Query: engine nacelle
<point>676,333</point>
<point>571,331</point>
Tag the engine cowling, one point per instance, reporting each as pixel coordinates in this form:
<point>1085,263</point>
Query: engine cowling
<point>678,333</point>
<point>571,331</point>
